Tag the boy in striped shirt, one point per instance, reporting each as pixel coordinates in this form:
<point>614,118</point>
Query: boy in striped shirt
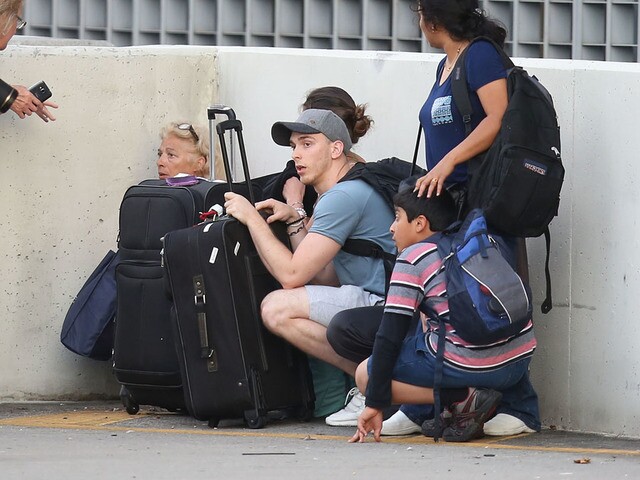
<point>401,367</point>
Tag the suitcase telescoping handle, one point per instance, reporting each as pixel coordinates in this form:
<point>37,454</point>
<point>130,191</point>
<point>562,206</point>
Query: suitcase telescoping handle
<point>236,126</point>
<point>212,111</point>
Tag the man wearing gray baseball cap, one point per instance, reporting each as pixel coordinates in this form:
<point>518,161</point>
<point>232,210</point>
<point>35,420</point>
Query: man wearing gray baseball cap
<point>313,121</point>
<point>318,277</point>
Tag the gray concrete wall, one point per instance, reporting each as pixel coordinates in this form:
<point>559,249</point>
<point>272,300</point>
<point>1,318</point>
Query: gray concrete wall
<point>62,184</point>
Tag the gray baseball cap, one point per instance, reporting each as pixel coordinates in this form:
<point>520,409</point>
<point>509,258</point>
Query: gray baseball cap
<point>313,120</point>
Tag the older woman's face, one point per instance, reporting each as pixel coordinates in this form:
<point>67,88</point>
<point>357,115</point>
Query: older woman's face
<point>177,155</point>
<point>12,18</point>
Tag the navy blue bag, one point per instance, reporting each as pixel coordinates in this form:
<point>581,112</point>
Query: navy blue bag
<point>88,327</point>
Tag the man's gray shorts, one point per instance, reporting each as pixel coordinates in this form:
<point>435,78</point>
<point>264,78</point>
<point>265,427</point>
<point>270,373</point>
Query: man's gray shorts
<point>325,302</point>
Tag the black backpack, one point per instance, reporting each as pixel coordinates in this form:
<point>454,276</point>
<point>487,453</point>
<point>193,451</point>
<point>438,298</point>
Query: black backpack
<point>517,183</point>
<point>385,177</point>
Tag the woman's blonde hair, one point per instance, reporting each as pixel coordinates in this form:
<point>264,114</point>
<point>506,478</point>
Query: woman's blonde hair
<point>200,141</point>
<point>9,9</point>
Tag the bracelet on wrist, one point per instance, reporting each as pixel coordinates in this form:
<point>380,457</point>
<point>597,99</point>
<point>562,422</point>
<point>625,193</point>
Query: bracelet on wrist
<point>294,223</point>
<point>300,204</point>
<point>302,212</point>
<point>297,230</point>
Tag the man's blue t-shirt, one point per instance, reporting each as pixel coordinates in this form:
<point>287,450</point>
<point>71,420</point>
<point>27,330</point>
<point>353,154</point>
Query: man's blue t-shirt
<point>440,118</point>
<point>353,209</point>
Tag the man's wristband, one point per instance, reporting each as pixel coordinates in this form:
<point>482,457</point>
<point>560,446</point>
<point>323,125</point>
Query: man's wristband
<point>294,223</point>
<point>297,230</point>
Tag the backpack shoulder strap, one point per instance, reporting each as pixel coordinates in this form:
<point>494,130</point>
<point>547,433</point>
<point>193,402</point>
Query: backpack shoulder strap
<point>547,305</point>
<point>459,88</point>
<point>369,248</point>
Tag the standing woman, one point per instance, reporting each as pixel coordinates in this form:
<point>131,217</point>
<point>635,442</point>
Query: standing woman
<point>451,25</point>
<point>17,97</point>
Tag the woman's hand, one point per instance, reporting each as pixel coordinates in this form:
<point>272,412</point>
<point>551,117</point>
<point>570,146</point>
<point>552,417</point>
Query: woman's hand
<point>433,181</point>
<point>44,113</point>
<point>293,190</point>
<point>25,103</point>
<point>370,420</point>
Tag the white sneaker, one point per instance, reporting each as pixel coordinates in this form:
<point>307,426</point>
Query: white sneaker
<point>504,424</point>
<point>348,416</point>
<point>399,424</point>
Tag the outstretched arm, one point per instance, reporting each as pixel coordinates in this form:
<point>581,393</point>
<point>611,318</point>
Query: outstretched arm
<point>292,269</point>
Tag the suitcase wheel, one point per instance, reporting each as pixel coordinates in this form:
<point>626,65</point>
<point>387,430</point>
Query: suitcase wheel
<point>254,420</point>
<point>304,413</point>
<point>213,422</point>
<point>130,405</point>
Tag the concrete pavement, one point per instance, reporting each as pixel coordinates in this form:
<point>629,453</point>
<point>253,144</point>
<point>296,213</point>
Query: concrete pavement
<point>99,440</point>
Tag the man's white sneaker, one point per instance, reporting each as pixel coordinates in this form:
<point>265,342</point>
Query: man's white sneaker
<point>399,424</point>
<point>348,416</point>
<point>503,424</point>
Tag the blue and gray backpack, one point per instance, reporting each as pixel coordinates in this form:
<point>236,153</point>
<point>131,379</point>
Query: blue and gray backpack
<point>488,301</point>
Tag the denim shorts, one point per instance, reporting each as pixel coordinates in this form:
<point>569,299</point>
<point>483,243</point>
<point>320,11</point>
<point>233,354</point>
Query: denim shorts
<point>325,302</point>
<point>416,366</point>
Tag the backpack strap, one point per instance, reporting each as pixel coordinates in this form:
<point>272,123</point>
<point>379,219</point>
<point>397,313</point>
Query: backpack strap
<point>415,150</point>
<point>459,88</point>
<point>368,248</point>
<point>437,380</point>
<point>547,305</point>
<point>444,241</point>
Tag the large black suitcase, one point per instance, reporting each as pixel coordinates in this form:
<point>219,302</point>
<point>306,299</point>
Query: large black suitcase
<point>144,358</point>
<point>231,366</point>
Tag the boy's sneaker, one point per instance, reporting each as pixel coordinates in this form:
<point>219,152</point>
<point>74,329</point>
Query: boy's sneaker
<point>470,414</point>
<point>348,416</point>
<point>504,424</point>
<point>429,426</point>
<point>399,424</point>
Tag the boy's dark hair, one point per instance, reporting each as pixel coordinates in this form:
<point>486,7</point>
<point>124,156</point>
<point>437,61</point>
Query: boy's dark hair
<point>440,210</point>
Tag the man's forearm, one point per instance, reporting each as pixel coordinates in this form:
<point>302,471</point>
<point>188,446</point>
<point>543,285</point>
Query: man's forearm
<point>275,255</point>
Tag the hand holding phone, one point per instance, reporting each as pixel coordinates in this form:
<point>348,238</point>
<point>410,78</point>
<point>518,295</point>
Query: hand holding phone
<point>41,91</point>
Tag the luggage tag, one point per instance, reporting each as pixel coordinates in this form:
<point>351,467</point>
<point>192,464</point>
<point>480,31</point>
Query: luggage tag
<point>211,215</point>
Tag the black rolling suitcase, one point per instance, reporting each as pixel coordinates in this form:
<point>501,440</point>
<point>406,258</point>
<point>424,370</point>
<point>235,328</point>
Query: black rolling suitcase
<point>144,358</point>
<point>231,366</point>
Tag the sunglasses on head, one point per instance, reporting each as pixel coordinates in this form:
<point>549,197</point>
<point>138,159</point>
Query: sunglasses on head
<point>188,127</point>
<point>20,23</point>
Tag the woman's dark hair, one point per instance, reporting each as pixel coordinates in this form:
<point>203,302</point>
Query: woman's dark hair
<point>463,19</point>
<point>440,210</point>
<point>341,103</point>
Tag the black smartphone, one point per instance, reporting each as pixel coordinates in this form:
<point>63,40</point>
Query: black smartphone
<point>41,91</point>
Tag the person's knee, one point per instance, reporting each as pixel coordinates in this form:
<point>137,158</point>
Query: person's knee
<point>271,311</point>
<point>337,332</point>
<point>362,376</point>
<point>280,307</point>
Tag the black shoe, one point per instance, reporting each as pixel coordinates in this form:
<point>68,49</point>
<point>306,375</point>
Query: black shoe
<point>470,414</point>
<point>429,426</point>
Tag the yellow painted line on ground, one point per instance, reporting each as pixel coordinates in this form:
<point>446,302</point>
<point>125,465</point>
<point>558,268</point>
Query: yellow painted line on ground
<point>108,421</point>
<point>90,419</point>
